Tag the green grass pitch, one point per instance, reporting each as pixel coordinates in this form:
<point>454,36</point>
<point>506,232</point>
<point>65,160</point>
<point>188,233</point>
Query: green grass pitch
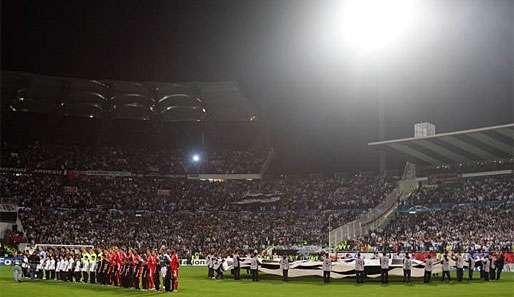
<point>194,282</point>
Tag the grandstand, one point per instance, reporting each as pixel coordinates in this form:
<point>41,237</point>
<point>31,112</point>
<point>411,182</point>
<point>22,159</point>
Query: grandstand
<point>449,158</point>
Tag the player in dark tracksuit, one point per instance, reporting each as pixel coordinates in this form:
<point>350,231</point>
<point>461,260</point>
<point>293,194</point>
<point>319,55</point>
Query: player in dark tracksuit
<point>157,274</point>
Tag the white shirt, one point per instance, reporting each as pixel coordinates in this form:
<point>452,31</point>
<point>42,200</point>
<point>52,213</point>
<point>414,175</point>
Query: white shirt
<point>359,264</point>
<point>486,265</point>
<point>41,264</point>
<point>446,265</point>
<point>384,262</point>
<point>217,263</point>
<point>92,266</point>
<point>428,264</point>
<point>253,263</point>
<point>209,261</point>
<point>235,261</point>
<point>327,264</point>
<point>284,264</point>
<point>407,264</point>
<point>52,264</point>
<point>70,265</point>
<point>460,261</point>
<point>47,264</point>
<point>85,266</point>
<point>77,266</point>
<point>58,266</point>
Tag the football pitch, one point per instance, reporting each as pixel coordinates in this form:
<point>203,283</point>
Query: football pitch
<point>194,282</point>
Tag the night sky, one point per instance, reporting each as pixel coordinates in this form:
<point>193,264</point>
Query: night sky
<point>455,68</point>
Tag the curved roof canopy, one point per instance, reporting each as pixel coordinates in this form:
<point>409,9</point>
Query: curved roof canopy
<point>132,106</point>
<point>180,107</point>
<point>487,143</point>
<point>83,104</point>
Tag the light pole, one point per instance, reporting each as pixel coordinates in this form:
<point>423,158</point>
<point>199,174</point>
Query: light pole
<point>371,28</point>
<point>329,230</point>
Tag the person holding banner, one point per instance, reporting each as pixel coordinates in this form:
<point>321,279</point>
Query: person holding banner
<point>359,269</point>
<point>500,263</point>
<point>486,267</point>
<point>407,266</point>
<point>284,266</point>
<point>471,266</point>
<point>428,269</point>
<point>446,267</point>
<point>254,268</point>
<point>492,265</point>
<point>384,268</point>
<point>459,261</point>
<point>327,267</point>
<point>17,271</point>
<point>210,266</point>
<point>218,267</point>
<point>236,264</point>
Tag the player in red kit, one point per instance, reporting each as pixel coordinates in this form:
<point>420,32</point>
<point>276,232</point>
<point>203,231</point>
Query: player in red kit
<point>174,265</point>
<point>152,264</point>
<point>120,256</point>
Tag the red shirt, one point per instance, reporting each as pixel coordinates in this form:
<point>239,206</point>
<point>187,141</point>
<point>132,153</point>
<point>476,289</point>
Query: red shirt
<point>174,262</point>
<point>152,262</point>
<point>119,258</point>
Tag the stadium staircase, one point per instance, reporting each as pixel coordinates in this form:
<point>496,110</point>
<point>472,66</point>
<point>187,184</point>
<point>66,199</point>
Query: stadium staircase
<point>267,163</point>
<point>379,215</point>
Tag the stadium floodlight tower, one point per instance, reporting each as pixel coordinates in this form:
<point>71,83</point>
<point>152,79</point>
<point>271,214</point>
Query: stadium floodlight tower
<point>373,30</point>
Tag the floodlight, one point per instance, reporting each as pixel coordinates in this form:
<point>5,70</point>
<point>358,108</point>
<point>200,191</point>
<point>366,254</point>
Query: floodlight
<point>370,25</point>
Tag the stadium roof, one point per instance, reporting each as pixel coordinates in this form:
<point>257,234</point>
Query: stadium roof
<point>192,101</point>
<point>488,143</point>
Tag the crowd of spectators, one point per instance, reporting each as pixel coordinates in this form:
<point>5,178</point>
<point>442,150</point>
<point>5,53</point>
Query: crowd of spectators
<point>200,216</point>
<point>139,160</point>
<point>472,190</point>
<point>195,215</point>
<point>459,229</point>
<point>476,214</point>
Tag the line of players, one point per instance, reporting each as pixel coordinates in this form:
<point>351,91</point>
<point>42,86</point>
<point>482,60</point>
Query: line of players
<point>490,269</point>
<point>114,266</point>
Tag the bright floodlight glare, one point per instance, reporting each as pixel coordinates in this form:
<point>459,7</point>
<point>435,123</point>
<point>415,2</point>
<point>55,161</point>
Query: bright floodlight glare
<point>369,25</point>
<point>196,158</point>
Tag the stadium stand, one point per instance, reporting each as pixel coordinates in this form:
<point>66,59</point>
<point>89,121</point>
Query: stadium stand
<point>147,195</point>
